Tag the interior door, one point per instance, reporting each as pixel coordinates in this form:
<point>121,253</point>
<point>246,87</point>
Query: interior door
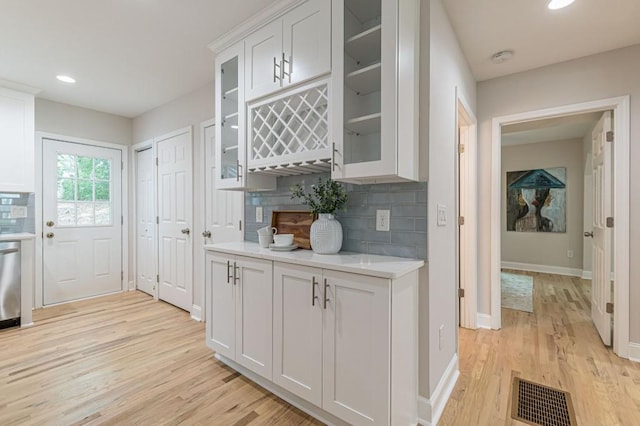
<point>601,281</point>
<point>306,38</point>
<point>82,214</point>
<point>175,205</point>
<point>263,56</point>
<point>146,253</point>
<point>224,210</point>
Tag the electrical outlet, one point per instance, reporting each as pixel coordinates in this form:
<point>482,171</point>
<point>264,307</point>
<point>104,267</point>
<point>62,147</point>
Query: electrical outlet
<point>259,214</point>
<point>570,254</point>
<point>442,215</point>
<point>441,337</point>
<point>383,217</point>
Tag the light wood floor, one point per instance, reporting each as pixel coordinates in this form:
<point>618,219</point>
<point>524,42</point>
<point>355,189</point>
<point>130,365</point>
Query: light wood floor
<point>556,346</point>
<point>125,359</point>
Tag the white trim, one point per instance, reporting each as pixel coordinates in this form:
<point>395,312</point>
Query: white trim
<point>430,410</point>
<point>484,321</point>
<point>135,149</point>
<point>634,352</point>
<point>132,285</point>
<point>203,180</point>
<point>19,87</point>
<point>310,409</point>
<point>252,24</point>
<point>469,303</point>
<point>620,106</point>
<point>124,194</point>
<point>196,313</point>
<point>545,269</point>
<point>587,275</point>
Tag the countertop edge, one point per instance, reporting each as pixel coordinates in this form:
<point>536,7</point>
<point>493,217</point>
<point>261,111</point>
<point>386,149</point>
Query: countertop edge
<point>286,257</point>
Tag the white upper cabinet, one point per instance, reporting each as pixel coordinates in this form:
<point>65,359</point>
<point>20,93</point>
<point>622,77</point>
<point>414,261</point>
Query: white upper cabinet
<point>289,50</point>
<point>17,144</point>
<point>231,155</point>
<point>375,93</point>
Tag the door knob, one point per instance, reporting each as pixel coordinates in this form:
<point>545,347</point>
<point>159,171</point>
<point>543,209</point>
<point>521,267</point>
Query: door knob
<point>588,234</point>
<point>50,223</point>
<point>185,231</point>
<point>206,234</point>
<point>50,234</point>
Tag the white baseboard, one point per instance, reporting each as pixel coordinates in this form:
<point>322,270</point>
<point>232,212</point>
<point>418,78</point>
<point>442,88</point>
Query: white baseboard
<point>196,312</point>
<point>483,321</point>
<point>132,285</point>
<point>558,270</point>
<point>430,410</point>
<point>634,352</point>
<point>587,275</point>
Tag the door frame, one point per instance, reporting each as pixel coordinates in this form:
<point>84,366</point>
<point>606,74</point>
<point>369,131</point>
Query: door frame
<point>202,176</point>
<point>620,106</point>
<point>467,235</point>
<point>124,194</point>
<point>135,149</point>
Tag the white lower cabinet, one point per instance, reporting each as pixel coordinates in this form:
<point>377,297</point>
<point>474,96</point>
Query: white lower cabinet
<point>239,315</point>
<point>343,343</point>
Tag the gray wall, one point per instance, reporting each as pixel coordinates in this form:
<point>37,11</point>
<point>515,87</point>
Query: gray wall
<point>68,120</point>
<point>407,202</point>
<point>12,225</point>
<point>606,75</point>
<point>547,248</point>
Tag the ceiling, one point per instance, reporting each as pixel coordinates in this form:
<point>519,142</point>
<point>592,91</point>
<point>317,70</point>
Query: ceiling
<point>537,35</point>
<point>551,129</point>
<point>128,56</point>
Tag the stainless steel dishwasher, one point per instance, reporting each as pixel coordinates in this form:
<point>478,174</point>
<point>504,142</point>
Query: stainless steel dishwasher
<point>9,284</point>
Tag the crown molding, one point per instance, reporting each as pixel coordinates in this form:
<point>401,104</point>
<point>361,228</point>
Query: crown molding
<point>19,87</point>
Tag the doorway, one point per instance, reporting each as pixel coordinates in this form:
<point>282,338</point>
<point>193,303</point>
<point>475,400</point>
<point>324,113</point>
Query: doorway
<point>80,220</point>
<point>620,187</point>
<point>145,221</point>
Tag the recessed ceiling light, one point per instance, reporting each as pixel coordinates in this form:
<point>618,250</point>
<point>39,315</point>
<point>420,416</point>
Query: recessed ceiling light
<point>66,79</point>
<point>502,56</point>
<point>559,4</point>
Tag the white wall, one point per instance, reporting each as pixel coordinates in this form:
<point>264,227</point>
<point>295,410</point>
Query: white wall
<point>449,71</point>
<point>68,120</point>
<point>188,110</point>
<point>601,76</point>
<point>546,248</point>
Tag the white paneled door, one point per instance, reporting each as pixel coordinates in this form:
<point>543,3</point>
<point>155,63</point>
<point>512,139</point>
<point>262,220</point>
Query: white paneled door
<point>223,209</point>
<point>82,215</point>
<point>146,253</point>
<point>602,209</point>
<point>175,195</point>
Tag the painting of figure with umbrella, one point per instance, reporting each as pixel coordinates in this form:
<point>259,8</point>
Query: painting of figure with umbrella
<point>536,200</point>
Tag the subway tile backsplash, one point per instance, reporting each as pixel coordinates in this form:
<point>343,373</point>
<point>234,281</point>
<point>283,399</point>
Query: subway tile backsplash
<point>10,225</point>
<point>407,201</point>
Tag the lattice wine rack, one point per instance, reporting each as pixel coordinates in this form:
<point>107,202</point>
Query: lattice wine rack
<point>289,135</point>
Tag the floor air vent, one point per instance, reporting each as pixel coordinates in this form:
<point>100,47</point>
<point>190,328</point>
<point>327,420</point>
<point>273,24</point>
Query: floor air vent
<point>541,405</point>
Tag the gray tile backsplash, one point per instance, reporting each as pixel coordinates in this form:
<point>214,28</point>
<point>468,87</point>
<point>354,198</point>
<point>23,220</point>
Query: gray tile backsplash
<point>9,225</point>
<point>407,202</point>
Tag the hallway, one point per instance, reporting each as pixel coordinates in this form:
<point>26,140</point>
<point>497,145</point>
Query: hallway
<point>556,346</point>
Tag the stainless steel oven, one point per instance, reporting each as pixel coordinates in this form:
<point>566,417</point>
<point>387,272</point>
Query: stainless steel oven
<point>9,284</point>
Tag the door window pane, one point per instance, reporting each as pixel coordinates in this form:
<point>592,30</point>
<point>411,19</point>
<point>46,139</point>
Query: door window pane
<point>83,191</point>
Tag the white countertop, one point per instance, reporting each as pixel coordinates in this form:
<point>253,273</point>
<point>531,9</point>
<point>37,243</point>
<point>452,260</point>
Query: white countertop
<point>17,237</point>
<point>358,263</point>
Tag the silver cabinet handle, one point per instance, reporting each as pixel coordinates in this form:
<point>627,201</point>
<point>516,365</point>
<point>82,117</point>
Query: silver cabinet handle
<point>238,173</point>
<point>50,235</point>
<point>185,231</point>
<point>283,73</point>
<point>333,157</point>
<point>588,234</point>
<point>313,291</point>
<point>276,65</point>
<point>206,234</point>
<point>326,286</point>
<point>228,269</point>
<point>9,251</point>
<point>236,273</point>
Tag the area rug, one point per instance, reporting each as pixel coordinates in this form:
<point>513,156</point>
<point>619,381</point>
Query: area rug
<point>517,291</point>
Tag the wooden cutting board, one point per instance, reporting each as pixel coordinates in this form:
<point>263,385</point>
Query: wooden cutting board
<point>296,222</point>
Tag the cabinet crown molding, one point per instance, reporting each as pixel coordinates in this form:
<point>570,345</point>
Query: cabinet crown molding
<point>13,85</point>
<point>256,21</point>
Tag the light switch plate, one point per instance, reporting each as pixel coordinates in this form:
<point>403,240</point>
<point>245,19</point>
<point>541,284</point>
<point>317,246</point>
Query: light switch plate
<point>18,212</point>
<point>442,215</point>
<point>259,214</point>
<point>383,217</point>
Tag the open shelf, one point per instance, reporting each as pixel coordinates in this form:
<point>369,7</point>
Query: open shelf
<point>230,117</point>
<point>231,94</point>
<point>365,125</point>
<point>365,46</point>
<point>365,80</point>
<point>229,148</point>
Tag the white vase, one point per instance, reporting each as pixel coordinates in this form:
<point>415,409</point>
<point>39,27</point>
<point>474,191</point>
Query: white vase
<point>326,234</point>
